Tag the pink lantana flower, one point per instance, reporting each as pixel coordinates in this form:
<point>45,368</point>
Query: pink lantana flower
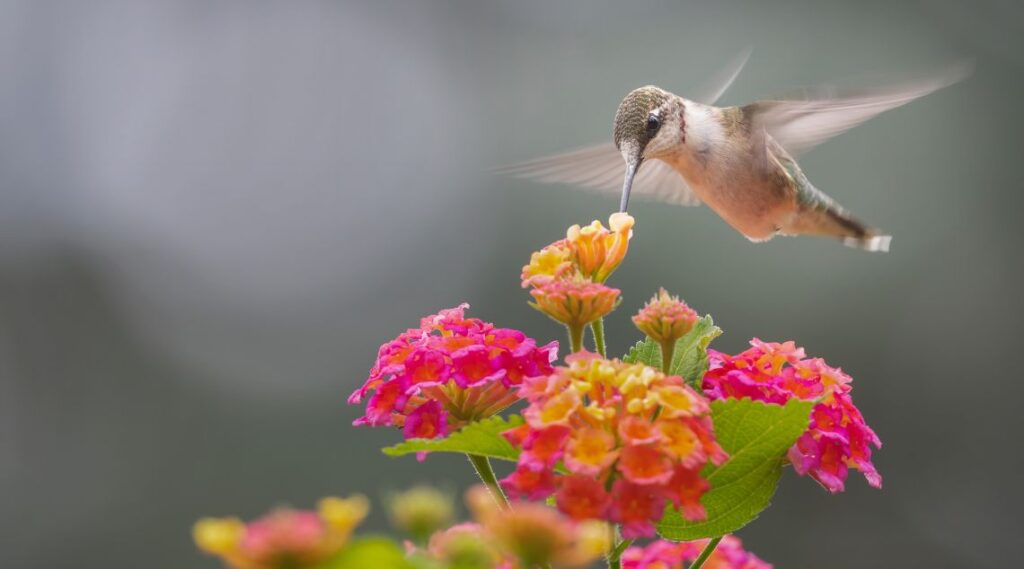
<point>631,438</point>
<point>450,371</point>
<point>671,555</point>
<point>285,537</point>
<point>838,438</point>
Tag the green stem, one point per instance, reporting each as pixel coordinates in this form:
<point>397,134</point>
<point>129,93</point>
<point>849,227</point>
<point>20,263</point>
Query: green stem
<point>597,327</point>
<point>482,465</point>
<point>667,350</point>
<point>615,555</point>
<point>575,338</point>
<point>708,550</point>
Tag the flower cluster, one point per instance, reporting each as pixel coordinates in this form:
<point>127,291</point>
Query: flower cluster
<point>522,536</point>
<point>670,555</point>
<point>283,538</point>
<point>567,277</point>
<point>450,371</point>
<point>630,437</point>
<point>837,439</point>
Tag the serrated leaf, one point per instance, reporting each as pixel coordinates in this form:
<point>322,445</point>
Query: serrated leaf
<point>756,435</point>
<point>690,358</point>
<point>482,438</point>
<point>646,352</point>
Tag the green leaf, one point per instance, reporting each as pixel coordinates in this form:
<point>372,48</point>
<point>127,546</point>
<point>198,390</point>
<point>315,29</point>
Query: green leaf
<point>646,352</point>
<point>376,552</point>
<point>482,438</point>
<point>690,358</point>
<point>756,435</point>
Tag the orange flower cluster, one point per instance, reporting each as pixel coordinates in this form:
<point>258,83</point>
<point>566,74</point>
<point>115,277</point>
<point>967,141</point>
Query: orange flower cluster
<point>567,277</point>
<point>630,437</point>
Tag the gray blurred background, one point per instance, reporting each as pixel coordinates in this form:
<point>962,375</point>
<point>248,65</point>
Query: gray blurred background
<point>212,213</point>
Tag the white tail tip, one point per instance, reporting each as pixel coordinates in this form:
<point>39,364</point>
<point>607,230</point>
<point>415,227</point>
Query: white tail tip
<point>878,243</point>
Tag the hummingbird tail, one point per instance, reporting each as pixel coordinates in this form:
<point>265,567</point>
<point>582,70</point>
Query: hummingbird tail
<point>878,243</point>
<point>827,218</point>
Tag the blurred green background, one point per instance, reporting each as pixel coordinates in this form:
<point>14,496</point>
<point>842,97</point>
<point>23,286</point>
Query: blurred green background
<point>212,213</point>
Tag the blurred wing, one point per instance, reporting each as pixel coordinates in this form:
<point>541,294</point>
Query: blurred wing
<point>713,90</point>
<point>601,167</point>
<point>803,123</point>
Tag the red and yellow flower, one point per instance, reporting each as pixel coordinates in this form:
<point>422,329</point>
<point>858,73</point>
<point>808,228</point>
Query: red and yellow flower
<point>592,251</point>
<point>630,438</point>
<point>567,277</point>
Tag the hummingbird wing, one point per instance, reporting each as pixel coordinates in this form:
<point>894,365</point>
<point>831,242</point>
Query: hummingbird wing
<point>802,123</point>
<point>601,167</point>
<point>714,88</point>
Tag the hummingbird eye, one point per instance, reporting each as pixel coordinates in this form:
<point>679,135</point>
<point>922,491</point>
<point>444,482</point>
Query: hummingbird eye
<point>653,124</point>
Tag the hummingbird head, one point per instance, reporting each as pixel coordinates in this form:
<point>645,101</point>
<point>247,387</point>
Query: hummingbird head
<point>640,130</point>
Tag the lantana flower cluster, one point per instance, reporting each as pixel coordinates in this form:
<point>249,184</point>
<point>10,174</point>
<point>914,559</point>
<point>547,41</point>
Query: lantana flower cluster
<point>522,536</point>
<point>629,438</point>
<point>282,538</point>
<point>450,371</point>
<point>838,437</point>
<point>671,555</point>
<point>567,277</point>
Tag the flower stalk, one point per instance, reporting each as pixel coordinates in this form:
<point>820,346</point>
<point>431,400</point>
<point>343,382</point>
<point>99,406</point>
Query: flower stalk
<point>597,327</point>
<point>482,466</point>
<point>708,550</point>
<point>575,338</point>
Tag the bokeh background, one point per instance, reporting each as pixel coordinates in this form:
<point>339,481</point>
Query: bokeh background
<point>212,213</point>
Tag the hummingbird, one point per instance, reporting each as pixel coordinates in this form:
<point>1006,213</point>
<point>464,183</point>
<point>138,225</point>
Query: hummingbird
<point>740,160</point>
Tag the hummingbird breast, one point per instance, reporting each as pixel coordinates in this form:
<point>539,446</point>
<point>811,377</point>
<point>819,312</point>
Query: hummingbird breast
<point>751,192</point>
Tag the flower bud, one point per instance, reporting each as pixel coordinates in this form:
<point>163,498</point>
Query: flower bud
<point>665,319</point>
<point>464,547</point>
<point>575,302</point>
<point>421,511</point>
<point>342,515</point>
<point>536,535</point>
<point>219,536</point>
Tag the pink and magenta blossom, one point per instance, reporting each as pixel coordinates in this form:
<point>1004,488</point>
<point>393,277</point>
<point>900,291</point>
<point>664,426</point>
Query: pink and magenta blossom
<point>837,439</point>
<point>450,371</point>
<point>662,554</point>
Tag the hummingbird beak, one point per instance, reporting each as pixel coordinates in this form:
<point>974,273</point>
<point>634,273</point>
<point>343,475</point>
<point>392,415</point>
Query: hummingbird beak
<point>633,159</point>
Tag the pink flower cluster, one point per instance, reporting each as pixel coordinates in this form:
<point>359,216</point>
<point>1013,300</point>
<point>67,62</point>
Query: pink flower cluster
<point>450,371</point>
<point>837,439</point>
<point>670,555</point>
<point>630,437</point>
